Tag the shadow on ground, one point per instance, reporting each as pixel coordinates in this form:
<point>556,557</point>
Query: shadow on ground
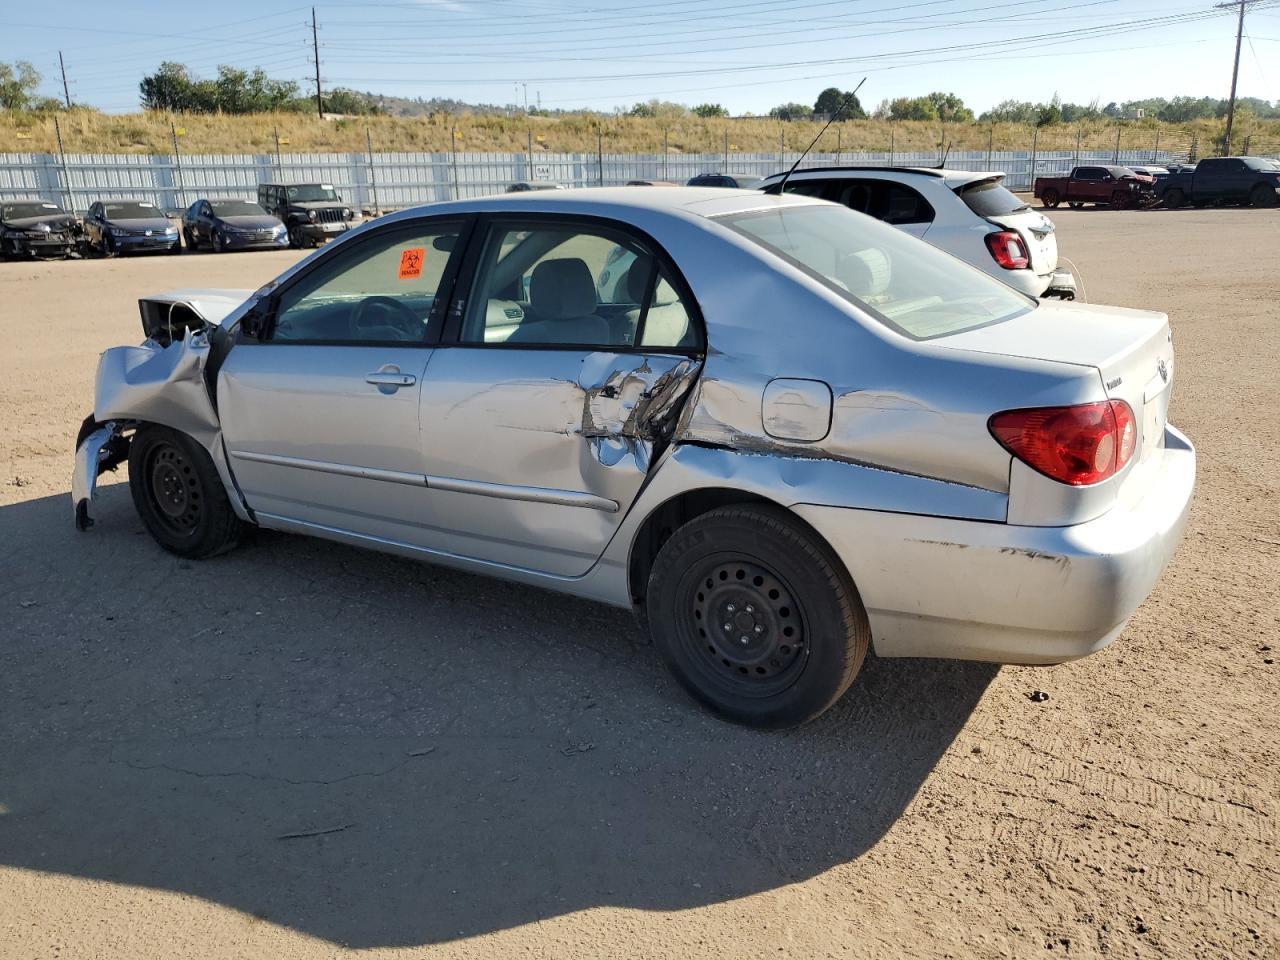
<point>383,753</point>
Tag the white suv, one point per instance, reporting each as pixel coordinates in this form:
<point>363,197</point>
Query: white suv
<point>970,215</point>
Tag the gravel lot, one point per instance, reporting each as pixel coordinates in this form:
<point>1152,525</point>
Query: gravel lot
<point>498,771</point>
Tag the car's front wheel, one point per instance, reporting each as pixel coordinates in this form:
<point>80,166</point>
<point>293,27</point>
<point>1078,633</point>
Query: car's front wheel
<point>1262,196</point>
<point>219,244</point>
<point>190,238</point>
<point>756,617</point>
<point>179,495</point>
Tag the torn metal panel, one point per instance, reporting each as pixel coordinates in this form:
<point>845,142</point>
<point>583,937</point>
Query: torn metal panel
<point>101,447</point>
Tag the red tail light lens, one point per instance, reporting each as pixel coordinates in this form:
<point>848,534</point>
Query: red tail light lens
<point>1008,250</point>
<point>1079,445</point>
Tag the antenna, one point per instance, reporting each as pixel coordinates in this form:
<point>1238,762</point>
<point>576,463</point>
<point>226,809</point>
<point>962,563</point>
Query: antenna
<point>849,98</point>
<point>943,162</point>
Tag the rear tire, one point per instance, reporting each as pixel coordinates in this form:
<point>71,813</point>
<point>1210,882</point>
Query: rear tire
<point>1262,196</point>
<point>1174,199</point>
<point>756,616</point>
<point>1050,199</point>
<point>179,495</point>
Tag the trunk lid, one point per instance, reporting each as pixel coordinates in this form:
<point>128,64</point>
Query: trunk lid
<point>1037,232</point>
<point>1132,350</point>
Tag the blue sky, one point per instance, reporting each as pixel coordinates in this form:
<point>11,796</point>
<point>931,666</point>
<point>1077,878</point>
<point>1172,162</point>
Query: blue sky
<point>748,55</point>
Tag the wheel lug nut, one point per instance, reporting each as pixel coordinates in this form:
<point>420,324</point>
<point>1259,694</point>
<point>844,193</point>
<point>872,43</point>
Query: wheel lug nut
<point>759,629</point>
<point>731,608</point>
<point>727,628</point>
<point>750,608</point>
<point>744,639</point>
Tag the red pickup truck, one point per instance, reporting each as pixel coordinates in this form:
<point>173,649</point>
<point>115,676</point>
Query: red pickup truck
<point>1116,187</point>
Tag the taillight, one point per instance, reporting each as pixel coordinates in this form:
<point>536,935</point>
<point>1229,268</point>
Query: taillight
<point>1008,249</point>
<point>1079,445</point>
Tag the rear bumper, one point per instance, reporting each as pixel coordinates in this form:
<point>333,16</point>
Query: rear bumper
<point>998,592</point>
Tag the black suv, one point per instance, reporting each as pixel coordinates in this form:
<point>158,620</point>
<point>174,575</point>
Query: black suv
<point>313,212</point>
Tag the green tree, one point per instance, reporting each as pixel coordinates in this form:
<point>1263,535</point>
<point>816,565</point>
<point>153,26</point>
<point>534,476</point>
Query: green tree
<point>791,111</point>
<point>18,82</point>
<point>1012,111</point>
<point>830,99</point>
<point>710,110</point>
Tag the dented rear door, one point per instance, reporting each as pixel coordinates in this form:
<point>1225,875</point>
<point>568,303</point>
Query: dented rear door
<point>535,449</point>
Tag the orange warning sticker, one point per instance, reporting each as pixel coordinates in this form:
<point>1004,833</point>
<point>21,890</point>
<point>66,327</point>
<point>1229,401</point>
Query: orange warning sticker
<point>411,263</point>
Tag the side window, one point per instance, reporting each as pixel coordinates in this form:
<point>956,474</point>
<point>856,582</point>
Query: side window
<point>854,194</point>
<point>1087,173</point>
<point>566,285</point>
<point>899,204</point>
<point>1210,166</point>
<point>381,291</point>
<point>822,189</point>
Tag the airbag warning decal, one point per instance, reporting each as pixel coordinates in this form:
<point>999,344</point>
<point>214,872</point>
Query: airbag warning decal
<point>411,263</point>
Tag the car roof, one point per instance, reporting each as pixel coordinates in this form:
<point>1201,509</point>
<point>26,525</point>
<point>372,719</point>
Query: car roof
<point>687,201</point>
<point>949,176</point>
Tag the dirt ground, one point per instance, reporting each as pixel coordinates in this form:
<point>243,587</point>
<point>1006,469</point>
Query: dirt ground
<point>300,749</point>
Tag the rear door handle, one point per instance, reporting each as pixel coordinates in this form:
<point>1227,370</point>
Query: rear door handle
<point>384,379</point>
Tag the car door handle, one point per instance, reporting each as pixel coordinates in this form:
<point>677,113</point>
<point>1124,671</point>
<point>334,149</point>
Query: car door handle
<point>384,379</point>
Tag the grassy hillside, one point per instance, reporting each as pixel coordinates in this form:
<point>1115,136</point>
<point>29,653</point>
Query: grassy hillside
<point>88,131</point>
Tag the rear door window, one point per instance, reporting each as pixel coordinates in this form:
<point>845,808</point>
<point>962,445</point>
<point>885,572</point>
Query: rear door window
<point>990,198</point>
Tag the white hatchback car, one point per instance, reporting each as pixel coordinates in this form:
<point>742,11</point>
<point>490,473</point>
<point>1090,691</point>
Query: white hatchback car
<point>971,215</point>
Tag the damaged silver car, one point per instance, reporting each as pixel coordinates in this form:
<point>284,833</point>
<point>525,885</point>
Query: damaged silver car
<point>783,432</point>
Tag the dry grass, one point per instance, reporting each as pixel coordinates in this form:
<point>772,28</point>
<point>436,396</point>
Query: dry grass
<point>88,131</point>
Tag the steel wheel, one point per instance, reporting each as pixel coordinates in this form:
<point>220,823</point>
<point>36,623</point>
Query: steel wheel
<point>745,625</point>
<point>174,489</point>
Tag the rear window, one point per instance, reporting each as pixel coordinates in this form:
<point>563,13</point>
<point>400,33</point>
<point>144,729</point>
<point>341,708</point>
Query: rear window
<point>902,282</point>
<point>990,198</point>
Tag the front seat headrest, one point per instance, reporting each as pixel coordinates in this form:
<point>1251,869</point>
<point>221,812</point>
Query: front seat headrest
<point>561,289</point>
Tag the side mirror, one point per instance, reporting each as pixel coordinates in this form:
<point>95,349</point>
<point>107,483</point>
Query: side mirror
<point>254,323</point>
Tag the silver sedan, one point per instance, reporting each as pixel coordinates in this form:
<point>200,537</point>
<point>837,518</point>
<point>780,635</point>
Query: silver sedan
<point>781,431</point>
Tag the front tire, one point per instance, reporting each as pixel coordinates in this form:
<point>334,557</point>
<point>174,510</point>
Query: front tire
<point>179,495</point>
<point>756,616</point>
<point>191,240</point>
<point>1262,196</point>
<point>219,246</point>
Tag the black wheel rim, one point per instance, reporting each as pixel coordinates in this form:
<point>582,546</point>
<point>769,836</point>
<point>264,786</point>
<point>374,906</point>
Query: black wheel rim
<point>173,488</point>
<point>743,627</point>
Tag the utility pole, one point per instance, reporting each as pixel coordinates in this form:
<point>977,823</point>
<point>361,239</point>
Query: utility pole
<point>66,92</point>
<point>1235,71</point>
<point>315,49</point>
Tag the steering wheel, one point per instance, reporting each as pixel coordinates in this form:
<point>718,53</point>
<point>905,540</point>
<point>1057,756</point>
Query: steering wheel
<point>373,312</point>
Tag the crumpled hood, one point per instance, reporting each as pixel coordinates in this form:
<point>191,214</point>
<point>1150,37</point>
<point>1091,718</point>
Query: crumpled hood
<point>212,306</point>
<point>56,221</point>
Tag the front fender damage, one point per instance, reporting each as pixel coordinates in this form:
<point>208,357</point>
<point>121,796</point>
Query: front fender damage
<point>149,383</point>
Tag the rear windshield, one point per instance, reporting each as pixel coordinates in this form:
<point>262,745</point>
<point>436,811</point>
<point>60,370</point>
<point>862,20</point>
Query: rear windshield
<point>903,282</point>
<point>236,208</point>
<point>132,210</point>
<point>20,211</point>
<point>990,198</point>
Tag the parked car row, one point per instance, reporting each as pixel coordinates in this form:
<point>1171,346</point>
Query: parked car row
<point>286,215</point>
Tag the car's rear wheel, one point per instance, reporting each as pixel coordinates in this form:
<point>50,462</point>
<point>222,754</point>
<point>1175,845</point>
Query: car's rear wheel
<point>1174,199</point>
<point>1262,196</point>
<point>756,617</point>
<point>179,495</point>
<point>1050,198</point>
